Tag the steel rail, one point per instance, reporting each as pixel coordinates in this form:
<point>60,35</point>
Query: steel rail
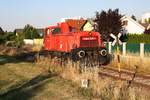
<point>124,75</point>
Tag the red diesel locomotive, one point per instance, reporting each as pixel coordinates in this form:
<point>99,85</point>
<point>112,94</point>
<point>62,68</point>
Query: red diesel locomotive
<point>64,39</point>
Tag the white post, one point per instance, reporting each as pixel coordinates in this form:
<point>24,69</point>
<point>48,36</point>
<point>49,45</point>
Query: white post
<point>109,47</point>
<point>124,48</point>
<point>84,83</point>
<point>141,50</point>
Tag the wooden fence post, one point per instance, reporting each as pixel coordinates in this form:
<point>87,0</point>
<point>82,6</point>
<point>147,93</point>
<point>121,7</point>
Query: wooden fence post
<point>109,47</point>
<point>141,50</point>
<point>124,48</point>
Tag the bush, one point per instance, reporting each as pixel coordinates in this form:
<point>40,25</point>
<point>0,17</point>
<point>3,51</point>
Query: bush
<point>135,38</point>
<point>147,31</point>
<point>7,36</point>
<point>19,41</point>
<point>30,32</point>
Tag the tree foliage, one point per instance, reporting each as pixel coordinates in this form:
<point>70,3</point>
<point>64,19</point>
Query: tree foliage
<point>135,38</point>
<point>1,31</point>
<point>7,36</point>
<point>108,22</point>
<point>147,31</point>
<point>30,32</point>
<point>2,36</point>
<point>19,40</point>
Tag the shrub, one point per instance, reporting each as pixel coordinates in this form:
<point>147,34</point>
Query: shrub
<point>135,38</point>
<point>19,41</point>
<point>147,31</point>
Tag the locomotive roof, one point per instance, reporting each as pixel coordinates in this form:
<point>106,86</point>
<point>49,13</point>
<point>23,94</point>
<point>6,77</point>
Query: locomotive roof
<point>76,23</point>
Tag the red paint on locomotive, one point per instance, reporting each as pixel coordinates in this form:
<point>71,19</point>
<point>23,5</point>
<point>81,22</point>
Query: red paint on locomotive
<point>64,38</point>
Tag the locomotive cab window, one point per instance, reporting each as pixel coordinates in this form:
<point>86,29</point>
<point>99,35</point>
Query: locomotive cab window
<point>56,30</point>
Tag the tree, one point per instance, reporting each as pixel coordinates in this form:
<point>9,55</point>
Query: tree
<point>1,31</point>
<point>133,17</point>
<point>147,31</point>
<point>30,32</point>
<point>108,22</point>
<point>19,40</point>
<point>11,36</point>
<point>2,36</point>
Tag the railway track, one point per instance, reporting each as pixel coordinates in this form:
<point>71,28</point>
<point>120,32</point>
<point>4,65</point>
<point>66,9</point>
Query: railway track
<point>124,75</point>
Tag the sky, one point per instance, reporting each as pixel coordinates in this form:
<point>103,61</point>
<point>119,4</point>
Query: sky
<point>42,13</point>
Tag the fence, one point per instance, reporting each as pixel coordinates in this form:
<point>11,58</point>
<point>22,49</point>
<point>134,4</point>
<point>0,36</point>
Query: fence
<point>131,48</point>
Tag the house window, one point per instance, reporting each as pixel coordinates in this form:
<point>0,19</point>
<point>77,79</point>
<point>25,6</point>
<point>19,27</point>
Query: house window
<point>125,23</point>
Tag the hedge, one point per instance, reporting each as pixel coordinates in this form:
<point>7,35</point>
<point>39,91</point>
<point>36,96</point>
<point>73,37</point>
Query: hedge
<point>135,38</point>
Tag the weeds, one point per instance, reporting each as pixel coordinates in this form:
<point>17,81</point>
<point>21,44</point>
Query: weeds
<point>86,92</point>
<point>129,63</point>
<point>100,87</point>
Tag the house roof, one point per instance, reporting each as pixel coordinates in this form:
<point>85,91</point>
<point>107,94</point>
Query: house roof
<point>146,25</point>
<point>137,23</point>
<point>40,31</point>
<point>88,20</point>
<point>18,30</point>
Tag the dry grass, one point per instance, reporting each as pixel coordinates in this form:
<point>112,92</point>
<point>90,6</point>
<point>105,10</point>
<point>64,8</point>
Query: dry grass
<point>12,75</point>
<point>100,88</point>
<point>129,62</point>
<point>24,81</point>
<point>12,51</point>
<point>137,54</point>
<point>36,48</point>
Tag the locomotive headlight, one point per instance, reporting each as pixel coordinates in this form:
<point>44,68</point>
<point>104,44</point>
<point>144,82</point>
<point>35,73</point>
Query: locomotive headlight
<point>103,52</point>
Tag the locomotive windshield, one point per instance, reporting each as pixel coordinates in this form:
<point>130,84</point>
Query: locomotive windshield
<point>56,30</point>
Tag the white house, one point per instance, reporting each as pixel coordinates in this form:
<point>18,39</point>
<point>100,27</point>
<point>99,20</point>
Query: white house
<point>131,26</point>
<point>88,26</point>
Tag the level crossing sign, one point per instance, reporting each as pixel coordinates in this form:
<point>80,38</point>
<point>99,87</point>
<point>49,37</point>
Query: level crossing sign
<point>116,39</point>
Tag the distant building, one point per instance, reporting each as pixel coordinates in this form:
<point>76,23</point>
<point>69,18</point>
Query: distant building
<point>146,25</point>
<point>131,26</point>
<point>41,31</point>
<point>18,31</point>
<point>146,18</point>
<point>88,26</point>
